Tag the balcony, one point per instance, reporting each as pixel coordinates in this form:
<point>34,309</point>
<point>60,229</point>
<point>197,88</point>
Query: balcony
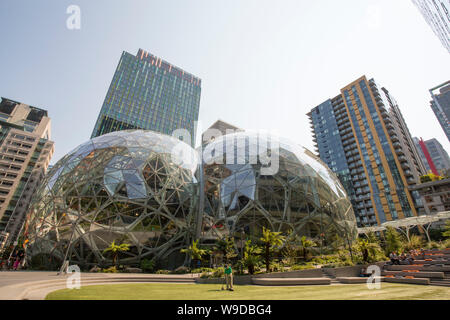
<point>394,137</point>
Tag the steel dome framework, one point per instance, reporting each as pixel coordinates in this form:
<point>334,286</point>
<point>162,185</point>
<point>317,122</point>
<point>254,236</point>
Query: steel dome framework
<point>303,196</point>
<point>140,187</point>
<point>122,187</point>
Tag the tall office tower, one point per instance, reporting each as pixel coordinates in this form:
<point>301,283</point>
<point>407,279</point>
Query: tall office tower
<point>25,153</point>
<point>441,105</point>
<point>438,156</point>
<point>151,94</point>
<point>425,156</point>
<point>437,15</point>
<point>362,136</point>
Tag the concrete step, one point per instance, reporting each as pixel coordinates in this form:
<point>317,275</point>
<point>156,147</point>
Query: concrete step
<point>420,274</point>
<point>291,281</point>
<point>433,268</point>
<point>440,283</point>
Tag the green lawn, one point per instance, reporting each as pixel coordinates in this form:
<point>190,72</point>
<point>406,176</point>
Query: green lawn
<point>388,291</point>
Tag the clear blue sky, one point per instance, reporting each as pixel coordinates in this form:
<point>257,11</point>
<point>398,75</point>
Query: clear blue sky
<point>263,64</point>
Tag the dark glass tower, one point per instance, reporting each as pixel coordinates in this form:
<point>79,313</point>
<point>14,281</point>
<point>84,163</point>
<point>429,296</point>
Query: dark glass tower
<point>437,15</point>
<point>151,94</point>
<point>441,106</point>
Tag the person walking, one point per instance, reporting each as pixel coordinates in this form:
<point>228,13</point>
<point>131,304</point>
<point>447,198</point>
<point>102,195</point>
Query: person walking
<point>16,264</point>
<point>229,277</point>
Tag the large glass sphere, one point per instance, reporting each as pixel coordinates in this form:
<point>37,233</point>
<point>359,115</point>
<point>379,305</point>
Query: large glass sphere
<point>253,181</point>
<point>126,187</point>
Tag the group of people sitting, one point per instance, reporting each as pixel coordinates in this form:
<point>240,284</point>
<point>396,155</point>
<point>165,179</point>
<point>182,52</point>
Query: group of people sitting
<point>404,258</point>
<point>14,262</point>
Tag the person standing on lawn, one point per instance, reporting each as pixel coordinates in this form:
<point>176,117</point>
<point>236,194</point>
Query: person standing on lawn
<point>229,277</point>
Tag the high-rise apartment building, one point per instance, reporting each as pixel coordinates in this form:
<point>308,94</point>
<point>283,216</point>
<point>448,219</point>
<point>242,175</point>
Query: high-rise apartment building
<point>151,94</point>
<point>25,153</point>
<point>362,136</point>
<point>441,106</point>
<point>437,15</point>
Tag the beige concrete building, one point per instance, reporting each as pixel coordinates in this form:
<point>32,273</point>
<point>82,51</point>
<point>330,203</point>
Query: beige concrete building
<point>403,143</point>
<point>435,196</point>
<point>25,153</point>
<point>217,129</point>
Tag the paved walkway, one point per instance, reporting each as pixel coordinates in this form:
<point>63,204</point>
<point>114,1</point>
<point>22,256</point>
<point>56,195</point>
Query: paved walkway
<point>35,285</point>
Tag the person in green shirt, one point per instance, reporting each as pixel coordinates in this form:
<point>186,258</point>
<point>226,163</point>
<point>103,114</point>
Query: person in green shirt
<point>229,277</point>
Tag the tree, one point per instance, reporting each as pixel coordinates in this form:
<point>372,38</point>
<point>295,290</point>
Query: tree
<point>372,238</point>
<point>393,240</point>
<point>251,256</point>
<point>306,244</point>
<point>270,240</point>
<point>430,177</point>
<point>291,248</point>
<point>194,252</point>
<point>226,247</point>
<point>116,250</point>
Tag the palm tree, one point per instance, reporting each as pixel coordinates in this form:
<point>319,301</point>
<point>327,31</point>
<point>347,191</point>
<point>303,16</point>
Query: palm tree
<point>226,247</point>
<point>291,247</point>
<point>194,251</point>
<point>116,250</point>
<point>270,240</point>
<point>369,250</point>
<point>306,244</point>
<point>393,240</point>
<point>251,256</point>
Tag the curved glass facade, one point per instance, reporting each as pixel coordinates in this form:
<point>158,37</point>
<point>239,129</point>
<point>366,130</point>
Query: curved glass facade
<point>303,195</point>
<point>140,188</point>
<point>132,187</point>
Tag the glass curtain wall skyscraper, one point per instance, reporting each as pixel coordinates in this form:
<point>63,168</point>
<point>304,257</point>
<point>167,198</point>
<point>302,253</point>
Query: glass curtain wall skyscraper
<point>149,93</point>
<point>361,135</point>
<point>441,106</point>
<point>437,15</point>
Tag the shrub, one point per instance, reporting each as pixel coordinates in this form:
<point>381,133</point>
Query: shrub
<point>326,259</point>
<point>202,270</point>
<point>446,243</point>
<point>302,267</point>
<point>163,272</point>
<point>433,245</point>
<point>181,270</point>
<point>415,242</point>
<point>205,275</point>
<point>110,270</point>
<point>218,273</point>
<point>276,267</point>
<point>147,265</point>
<point>339,264</point>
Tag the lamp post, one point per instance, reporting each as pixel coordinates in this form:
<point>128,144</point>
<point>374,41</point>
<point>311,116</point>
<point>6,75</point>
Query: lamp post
<point>327,207</point>
<point>242,243</point>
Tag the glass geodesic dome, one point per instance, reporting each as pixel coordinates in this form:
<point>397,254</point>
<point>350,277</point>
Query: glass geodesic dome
<point>134,187</point>
<point>253,181</point>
